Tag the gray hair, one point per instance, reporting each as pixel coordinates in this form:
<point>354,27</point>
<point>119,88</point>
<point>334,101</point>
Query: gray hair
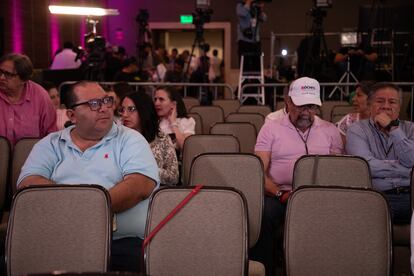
<point>381,85</point>
<point>22,65</point>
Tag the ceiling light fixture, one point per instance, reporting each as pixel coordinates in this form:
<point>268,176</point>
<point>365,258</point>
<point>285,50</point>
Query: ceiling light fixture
<point>88,11</point>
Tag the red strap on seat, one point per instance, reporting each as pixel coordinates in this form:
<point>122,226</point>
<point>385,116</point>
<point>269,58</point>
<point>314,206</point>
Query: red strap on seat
<point>169,217</point>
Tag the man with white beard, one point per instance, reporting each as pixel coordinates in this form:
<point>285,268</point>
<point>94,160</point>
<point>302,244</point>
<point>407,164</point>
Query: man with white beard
<point>279,144</point>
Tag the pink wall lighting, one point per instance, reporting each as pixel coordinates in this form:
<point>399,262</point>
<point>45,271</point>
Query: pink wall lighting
<point>17,35</point>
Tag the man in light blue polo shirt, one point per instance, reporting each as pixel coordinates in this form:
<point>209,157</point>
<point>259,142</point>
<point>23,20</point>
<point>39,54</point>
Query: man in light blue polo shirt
<point>97,151</point>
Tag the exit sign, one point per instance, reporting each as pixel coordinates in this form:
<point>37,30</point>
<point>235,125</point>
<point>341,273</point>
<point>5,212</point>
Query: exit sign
<point>186,19</point>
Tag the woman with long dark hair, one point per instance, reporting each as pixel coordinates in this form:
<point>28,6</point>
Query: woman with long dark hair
<point>138,112</point>
<point>173,115</point>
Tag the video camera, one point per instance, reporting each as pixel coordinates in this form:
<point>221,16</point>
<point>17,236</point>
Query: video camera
<point>95,46</point>
<point>255,8</point>
<point>142,17</point>
<point>319,11</point>
<point>201,16</point>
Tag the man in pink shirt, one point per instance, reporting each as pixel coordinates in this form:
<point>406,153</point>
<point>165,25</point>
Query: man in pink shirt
<point>279,144</point>
<point>25,107</point>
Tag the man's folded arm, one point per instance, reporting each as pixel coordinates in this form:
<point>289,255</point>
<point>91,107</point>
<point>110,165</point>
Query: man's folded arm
<point>130,191</point>
<point>35,180</point>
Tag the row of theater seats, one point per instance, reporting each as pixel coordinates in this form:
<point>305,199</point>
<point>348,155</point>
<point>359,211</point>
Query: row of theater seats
<point>331,111</point>
<point>212,114</point>
<point>10,165</point>
<point>215,167</point>
<point>337,227</point>
<point>330,171</point>
<point>228,117</point>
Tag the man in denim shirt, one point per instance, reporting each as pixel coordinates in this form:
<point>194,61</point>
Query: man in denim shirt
<point>387,143</point>
<point>250,14</point>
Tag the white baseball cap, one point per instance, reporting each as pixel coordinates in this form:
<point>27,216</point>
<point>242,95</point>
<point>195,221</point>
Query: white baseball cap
<point>305,91</point>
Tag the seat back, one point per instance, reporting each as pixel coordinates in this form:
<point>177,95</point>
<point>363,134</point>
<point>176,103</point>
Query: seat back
<point>21,151</point>
<point>244,132</point>
<point>337,170</point>
<point>227,105</point>
<point>59,228</point>
<point>337,231</point>
<point>209,115</point>
<point>412,190</point>
<point>198,144</point>
<point>261,109</point>
<point>207,237</point>
<point>4,169</point>
<point>280,105</point>
<point>189,102</point>
<point>256,119</point>
<point>339,111</point>
<point>238,170</point>
<point>326,108</point>
<point>198,129</point>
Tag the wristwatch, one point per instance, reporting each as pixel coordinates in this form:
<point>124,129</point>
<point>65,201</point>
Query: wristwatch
<point>279,194</point>
<point>393,123</point>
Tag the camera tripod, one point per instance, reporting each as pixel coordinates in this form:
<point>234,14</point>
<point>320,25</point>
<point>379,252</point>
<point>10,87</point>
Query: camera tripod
<point>144,36</point>
<point>345,78</point>
<point>315,47</point>
<point>200,75</point>
<point>199,42</point>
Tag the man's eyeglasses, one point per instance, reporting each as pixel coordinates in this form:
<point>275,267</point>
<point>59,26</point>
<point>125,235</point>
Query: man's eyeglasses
<point>310,107</point>
<point>129,109</point>
<point>7,75</point>
<point>96,104</point>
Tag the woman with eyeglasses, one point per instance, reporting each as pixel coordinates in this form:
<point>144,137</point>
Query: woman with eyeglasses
<point>137,111</point>
<point>173,115</point>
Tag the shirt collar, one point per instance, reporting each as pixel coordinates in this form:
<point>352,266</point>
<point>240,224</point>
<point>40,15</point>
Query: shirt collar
<point>65,135</point>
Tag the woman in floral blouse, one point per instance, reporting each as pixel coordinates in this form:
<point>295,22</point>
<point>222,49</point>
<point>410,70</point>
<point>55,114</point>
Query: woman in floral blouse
<point>361,108</point>
<point>138,112</point>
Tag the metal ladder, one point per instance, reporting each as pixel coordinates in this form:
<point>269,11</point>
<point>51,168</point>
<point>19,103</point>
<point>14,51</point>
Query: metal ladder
<point>251,75</point>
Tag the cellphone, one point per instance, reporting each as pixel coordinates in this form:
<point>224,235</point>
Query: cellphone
<point>172,136</point>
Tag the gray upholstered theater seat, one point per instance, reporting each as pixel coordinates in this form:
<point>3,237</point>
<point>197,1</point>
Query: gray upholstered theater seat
<point>337,231</point>
<point>208,236</point>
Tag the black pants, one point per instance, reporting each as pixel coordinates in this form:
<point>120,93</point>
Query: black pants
<point>268,245</point>
<point>400,207</point>
<point>126,255</point>
<point>251,52</point>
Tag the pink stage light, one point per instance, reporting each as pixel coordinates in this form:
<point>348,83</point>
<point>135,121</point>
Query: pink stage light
<point>17,34</point>
<point>54,34</point>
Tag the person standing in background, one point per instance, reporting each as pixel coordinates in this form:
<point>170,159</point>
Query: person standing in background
<point>66,59</point>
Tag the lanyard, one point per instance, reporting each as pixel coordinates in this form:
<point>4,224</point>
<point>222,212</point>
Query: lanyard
<point>386,151</point>
<point>304,140</point>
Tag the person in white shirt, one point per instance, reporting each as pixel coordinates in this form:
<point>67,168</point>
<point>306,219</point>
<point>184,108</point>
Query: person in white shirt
<point>214,72</point>
<point>66,59</point>
<point>173,115</point>
<point>278,114</point>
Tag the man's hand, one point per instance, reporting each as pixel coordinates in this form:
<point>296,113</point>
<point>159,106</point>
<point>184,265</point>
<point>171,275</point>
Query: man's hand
<point>382,119</point>
<point>34,180</point>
